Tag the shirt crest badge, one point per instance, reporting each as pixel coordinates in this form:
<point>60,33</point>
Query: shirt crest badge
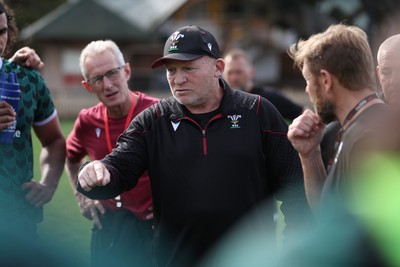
<point>235,121</point>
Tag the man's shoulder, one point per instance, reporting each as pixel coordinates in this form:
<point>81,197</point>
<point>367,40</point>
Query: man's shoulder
<point>266,91</point>
<point>274,95</point>
<point>145,100</point>
<point>169,105</point>
<point>162,108</point>
<point>374,114</point>
<point>17,68</point>
<point>250,101</point>
<point>245,99</point>
<point>28,78</point>
<point>146,97</point>
<point>375,120</point>
<point>92,112</point>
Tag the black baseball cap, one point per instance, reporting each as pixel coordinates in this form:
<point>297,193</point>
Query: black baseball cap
<point>188,43</point>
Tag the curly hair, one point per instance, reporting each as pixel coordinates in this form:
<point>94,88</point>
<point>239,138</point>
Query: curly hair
<point>12,31</point>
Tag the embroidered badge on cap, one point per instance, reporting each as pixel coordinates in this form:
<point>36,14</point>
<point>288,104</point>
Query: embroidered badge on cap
<point>175,40</point>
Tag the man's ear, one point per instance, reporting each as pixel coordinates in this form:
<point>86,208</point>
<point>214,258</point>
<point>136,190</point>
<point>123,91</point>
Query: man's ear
<point>326,80</point>
<point>220,67</point>
<point>87,86</point>
<point>127,71</point>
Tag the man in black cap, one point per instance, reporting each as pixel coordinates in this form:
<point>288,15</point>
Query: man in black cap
<point>214,155</point>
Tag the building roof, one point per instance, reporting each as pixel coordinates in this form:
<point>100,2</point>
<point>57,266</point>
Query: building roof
<point>99,19</point>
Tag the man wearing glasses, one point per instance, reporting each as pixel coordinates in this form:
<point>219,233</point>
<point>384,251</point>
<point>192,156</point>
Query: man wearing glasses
<point>122,230</point>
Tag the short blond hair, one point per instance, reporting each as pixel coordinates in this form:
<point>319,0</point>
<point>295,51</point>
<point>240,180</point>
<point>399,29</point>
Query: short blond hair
<point>342,50</point>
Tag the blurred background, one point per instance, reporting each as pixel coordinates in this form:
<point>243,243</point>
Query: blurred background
<point>59,29</point>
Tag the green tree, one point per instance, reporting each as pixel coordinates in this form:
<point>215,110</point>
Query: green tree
<point>28,11</point>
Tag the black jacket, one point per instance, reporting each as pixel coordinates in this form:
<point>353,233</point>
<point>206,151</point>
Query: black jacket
<point>205,179</point>
<point>288,108</point>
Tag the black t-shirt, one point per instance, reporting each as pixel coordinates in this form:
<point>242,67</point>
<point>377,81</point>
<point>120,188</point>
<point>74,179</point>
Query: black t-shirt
<point>203,119</point>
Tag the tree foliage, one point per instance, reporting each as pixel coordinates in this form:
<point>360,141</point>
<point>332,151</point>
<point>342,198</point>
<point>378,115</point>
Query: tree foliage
<point>28,11</point>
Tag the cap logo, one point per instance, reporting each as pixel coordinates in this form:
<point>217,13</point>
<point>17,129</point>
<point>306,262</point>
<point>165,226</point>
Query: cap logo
<point>209,46</point>
<point>175,40</point>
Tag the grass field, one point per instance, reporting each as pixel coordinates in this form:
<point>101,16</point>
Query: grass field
<point>63,226</point>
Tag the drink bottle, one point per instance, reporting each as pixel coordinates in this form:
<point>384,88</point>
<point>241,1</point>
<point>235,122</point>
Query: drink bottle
<point>9,92</point>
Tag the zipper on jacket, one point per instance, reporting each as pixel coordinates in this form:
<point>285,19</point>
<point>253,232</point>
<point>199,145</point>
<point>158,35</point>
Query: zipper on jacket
<point>203,131</point>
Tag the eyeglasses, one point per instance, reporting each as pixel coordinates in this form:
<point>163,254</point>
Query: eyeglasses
<point>112,75</point>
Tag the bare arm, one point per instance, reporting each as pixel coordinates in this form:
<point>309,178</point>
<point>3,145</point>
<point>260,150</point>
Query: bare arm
<point>89,208</point>
<point>52,158</point>
<point>314,177</point>
<point>72,169</point>
<point>305,134</point>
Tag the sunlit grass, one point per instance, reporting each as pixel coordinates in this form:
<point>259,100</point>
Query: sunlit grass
<point>65,229</point>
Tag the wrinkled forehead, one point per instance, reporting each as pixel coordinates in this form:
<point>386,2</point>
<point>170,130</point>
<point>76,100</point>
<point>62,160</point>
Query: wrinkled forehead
<point>389,59</point>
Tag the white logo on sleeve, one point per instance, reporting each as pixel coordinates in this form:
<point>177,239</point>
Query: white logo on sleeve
<point>98,131</point>
<point>118,201</point>
<point>175,125</point>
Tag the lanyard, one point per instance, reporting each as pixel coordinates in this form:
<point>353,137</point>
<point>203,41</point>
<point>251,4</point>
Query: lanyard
<point>360,104</point>
<point>349,116</point>
<point>127,121</point>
